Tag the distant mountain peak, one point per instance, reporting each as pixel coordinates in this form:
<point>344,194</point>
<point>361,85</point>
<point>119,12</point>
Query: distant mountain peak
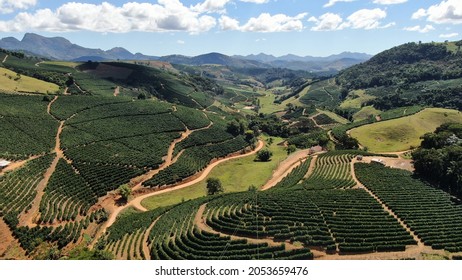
<point>62,49</point>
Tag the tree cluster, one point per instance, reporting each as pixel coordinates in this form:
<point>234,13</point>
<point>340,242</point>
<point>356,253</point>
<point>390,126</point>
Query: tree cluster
<point>439,159</point>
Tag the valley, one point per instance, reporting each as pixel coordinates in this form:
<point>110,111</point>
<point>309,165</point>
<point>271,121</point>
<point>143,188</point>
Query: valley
<point>114,159</point>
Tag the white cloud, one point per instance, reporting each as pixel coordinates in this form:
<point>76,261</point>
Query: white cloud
<point>218,6</point>
<point>265,23</point>
<point>333,2</point>
<point>417,28</point>
<point>389,2</point>
<point>227,23</point>
<point>181,42</point>
<point>274,23</point>
<point>362,19</point>
<point>211,6</point>
<point>167,15</point>
<point>366,19</point>
<point>9,6</point>
<point>419,14</point>
<point>449,12</point>
<point>326,22</point>
<point>449,35</point>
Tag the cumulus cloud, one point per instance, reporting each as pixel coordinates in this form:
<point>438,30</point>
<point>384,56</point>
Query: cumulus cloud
<point>420,13</point>
<point>366,19</point>
<point>274,23</point>
<point>167,15</point>
<point>449,35</point>
<point>333,2</point>
<point>327,22</point>
<point>449,12</point>
<point>9,6</point>
<point>389,2</point>
<point>265,23</point>
<point>418,28</point>
<point>362,19</point>
<point>227,23</point>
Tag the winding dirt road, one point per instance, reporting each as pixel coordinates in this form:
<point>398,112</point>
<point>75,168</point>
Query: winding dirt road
<point>136,202</point>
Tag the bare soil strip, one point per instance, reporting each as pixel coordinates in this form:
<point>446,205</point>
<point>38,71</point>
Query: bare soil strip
<point>331,137</point>
<point>49,106</point>
<point>16,165</point>
<point>314,121</point>
<point>6,237</point>
<point>29,218</point>
<point>312,166</point>
<point>4,59</point>
<point>9,246</point>
<point>146,251</point>
<point>285,167</point>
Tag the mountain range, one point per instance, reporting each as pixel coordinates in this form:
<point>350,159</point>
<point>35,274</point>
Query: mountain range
<point>60,48</point>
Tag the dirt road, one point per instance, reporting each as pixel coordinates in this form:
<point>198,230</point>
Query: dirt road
<point>136,202</point>
<point>285,167</point>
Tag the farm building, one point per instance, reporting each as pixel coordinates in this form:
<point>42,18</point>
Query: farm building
<point>4,163</point>
<point>315,149</point>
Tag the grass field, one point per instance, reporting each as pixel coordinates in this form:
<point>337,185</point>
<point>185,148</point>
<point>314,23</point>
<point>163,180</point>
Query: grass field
<point>355,99</point>
<point>268,106</point>
<point>403,133</point>
<point>62,63</point>
<point>234,176</point>
<point>365,112</point>
<point>11,81</point>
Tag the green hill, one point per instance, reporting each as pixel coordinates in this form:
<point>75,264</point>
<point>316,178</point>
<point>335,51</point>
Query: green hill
<point>413,73</point>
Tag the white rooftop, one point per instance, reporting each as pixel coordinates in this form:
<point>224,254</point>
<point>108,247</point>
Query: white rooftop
<point>4,163</point>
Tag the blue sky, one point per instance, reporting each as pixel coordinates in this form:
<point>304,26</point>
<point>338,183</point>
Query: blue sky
<point>278,27</point>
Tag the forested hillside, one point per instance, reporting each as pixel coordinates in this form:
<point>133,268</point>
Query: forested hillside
<point>414,73</point>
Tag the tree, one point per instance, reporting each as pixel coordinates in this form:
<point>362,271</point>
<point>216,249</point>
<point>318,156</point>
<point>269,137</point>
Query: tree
<point>264,155</point>
<point>459,44</point>
<point>253,188</point>
<point>125,191</point>
<point>214,186</point>
<point>291,149</point>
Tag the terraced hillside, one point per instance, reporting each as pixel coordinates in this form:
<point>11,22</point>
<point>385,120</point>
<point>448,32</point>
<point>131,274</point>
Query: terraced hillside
<point>79,149</point>
<point>296,219</point>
